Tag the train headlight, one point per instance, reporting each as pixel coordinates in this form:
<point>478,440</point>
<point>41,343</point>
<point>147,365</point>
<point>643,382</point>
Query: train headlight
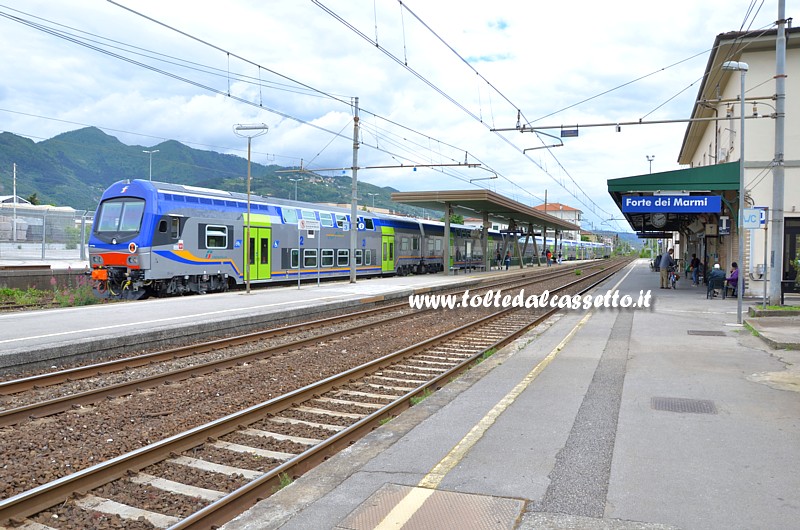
<point>96,260</point>
<point>133,260</point>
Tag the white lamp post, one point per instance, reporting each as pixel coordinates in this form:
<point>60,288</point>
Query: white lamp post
<point>249,132</point>
<point>151,161</point>
<point>295,186</point>
<point>742,69</point>
<point>650,159</point>
<point>373,199</point>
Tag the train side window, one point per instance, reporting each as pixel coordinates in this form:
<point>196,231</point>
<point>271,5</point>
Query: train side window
<point>162,226</point>
<point>308,215</point>
<point>216,236</point>
<point>391,250</point>
<point>310,258</point>
<point>430,246</point>
<point>414,243</point>
<point>359,257</point>
<point>327,257</point>
<point>404,244</point>
<point>340,220</point>
<point>343,257</point>
<point>295,258</point>
<point>368,256</point>
<point>326,219</point>
<point>289,216</point>
<point>175,230</point>
<point>369,224</point>
<point>437,244</point>
<point>385,251</point>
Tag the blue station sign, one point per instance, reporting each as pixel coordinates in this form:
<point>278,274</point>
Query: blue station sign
<point>672,204</point>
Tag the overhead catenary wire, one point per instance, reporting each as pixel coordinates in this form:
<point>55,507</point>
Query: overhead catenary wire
<point>95,45</point>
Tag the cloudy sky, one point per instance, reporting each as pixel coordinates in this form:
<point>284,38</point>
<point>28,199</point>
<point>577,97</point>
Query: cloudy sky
<point>433,79</point>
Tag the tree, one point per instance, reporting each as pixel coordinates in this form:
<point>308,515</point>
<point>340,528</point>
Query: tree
<point>33,199</point>
<point>454,219</point>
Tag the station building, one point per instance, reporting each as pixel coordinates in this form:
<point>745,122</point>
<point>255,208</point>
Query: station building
<point>711,151</point>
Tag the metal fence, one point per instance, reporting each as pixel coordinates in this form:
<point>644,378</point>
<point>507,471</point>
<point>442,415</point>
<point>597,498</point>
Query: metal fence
<point>44,233</point>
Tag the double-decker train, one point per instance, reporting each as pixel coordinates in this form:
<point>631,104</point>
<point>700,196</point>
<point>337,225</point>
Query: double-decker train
<point>154,238</point>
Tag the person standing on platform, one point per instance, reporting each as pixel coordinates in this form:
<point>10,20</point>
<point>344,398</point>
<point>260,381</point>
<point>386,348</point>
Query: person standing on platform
<point>499,259</point>
<point>508,259</point>
<point>695,266</point>
<point>549,257</point>
<point>666,263</point>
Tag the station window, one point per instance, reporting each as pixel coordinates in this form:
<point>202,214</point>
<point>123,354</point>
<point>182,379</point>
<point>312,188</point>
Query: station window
<point>310,258</point>
<point>342,257</point>
<point>327,257</point>
<point>295,258</point>
<point>326,219</point>
<point>216,236</point>
<point>289,216</point>
<point>359,257</point>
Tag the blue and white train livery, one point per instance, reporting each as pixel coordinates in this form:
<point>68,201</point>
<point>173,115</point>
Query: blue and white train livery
<point>154,238</point>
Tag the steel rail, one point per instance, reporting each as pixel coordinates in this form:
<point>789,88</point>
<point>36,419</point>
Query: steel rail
<point>50,494</point>
<point>16,386</point>
<point>54,406</point>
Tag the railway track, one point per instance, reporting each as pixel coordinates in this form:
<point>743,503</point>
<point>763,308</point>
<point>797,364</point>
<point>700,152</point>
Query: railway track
<point>280,438</point>
<point>365,319</point>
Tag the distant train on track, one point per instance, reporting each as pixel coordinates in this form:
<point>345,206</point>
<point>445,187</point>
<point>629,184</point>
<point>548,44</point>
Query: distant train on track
<point>159,239</point>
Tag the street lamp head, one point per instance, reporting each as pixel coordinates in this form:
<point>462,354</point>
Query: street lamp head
<point>250,130</point>
<point>737,66</point>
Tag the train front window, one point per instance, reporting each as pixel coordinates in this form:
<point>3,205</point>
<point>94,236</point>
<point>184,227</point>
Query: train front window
<point>120,215</point>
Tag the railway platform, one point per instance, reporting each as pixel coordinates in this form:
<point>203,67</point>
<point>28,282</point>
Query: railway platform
<point>667,417</point>
<point>42,338</point>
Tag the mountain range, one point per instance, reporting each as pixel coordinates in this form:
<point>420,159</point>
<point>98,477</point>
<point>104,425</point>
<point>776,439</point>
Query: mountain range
<point>74,168</point>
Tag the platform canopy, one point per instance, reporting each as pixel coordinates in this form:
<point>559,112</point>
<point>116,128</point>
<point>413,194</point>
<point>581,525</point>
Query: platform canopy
<point>476,203</point>
<point>713,180</point>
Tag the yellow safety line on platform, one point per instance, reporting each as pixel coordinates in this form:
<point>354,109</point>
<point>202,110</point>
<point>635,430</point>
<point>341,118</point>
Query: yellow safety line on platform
<point>406,508</point>
<point>413,501</point>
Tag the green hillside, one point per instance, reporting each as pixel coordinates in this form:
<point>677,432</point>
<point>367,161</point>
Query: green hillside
<point>73,169</point>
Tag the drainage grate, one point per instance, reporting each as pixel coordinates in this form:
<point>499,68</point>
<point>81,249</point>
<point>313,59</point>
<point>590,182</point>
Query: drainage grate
<point>696,406</point>
<point>706,333</point>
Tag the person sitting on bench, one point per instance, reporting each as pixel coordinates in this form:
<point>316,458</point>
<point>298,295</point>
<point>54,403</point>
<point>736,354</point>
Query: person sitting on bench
<point>732,281</point>
<point>716,280</point>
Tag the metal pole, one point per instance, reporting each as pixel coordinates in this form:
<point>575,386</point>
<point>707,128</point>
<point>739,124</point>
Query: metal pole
<point>776,259</point>
<point>740,280</point>
<point>257,130</point>
<point>354,205</point>
<point>247,234</point>
<point>14,226</point>
<point>299,256</point>
<point>766,224</point>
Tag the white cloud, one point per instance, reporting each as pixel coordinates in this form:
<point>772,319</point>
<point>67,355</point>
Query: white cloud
<point>542,57</point>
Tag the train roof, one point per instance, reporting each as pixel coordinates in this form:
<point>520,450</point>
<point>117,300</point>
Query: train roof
<point>233,195</point>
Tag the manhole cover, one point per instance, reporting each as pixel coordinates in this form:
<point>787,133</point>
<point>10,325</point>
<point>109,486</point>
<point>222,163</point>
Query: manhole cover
<point>696,406</point>
<point>706,333</point>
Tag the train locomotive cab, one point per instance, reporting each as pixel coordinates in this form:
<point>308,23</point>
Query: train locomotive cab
<point>116,243</point>
<point>136,248</point>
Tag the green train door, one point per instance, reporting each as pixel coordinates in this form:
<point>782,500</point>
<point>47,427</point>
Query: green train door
<point>260,253</point>
<point>387,249</point>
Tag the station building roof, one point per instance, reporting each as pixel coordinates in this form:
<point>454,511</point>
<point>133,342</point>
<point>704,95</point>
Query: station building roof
<point>705,180</point>
<point>473,203</point>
